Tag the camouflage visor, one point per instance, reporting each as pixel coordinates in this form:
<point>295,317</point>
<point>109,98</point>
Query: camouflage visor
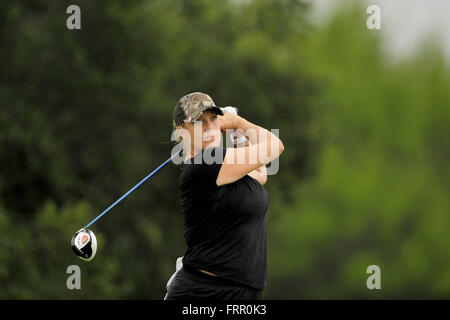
<point>190,107</point>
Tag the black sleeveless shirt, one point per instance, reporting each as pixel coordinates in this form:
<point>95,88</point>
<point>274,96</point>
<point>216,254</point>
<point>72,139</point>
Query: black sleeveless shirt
<point>225,226</point>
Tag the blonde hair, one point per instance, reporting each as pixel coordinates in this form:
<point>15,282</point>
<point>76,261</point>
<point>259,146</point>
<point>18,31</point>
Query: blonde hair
<point>175,130</point>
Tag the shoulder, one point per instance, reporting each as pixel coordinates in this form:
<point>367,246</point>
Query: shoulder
<point>207,156</point>
<point>214,155</point>
<point>205,166</point>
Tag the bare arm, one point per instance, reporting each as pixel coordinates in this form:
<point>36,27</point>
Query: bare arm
<point>259,174</point>
<point>242,161</point>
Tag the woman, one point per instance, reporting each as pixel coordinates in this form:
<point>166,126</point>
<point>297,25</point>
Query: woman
<point>224,203</point>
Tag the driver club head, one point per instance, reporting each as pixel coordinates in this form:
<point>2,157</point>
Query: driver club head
<point>84,244</point>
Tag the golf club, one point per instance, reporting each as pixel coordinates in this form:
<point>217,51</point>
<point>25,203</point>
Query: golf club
<point>84,242</point>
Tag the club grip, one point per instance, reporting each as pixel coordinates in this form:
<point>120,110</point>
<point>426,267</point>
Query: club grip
<point>236,139</point>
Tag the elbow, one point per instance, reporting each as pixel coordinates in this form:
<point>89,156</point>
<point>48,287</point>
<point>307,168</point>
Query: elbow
<point>280,148</point>
<point>263,180</point>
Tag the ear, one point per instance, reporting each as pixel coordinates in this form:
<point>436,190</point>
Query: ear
<point>180,129</point>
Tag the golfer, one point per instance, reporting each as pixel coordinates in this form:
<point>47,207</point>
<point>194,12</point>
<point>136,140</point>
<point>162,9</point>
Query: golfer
<point>224,203</point>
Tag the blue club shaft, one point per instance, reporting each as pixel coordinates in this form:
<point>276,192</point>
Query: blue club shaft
<point>130,191</point>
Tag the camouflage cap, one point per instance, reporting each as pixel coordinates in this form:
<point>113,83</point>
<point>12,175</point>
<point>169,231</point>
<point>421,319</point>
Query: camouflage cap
<point>191,106</point>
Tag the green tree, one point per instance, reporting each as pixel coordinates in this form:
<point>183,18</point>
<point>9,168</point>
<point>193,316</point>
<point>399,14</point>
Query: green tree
<point>380,192</point>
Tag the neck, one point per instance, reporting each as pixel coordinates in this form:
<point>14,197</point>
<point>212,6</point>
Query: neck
<point>191,153</point>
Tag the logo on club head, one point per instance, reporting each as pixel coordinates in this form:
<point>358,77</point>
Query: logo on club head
<point>81,240</point>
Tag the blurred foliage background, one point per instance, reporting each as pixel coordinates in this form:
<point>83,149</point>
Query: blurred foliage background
<point>86,114</point>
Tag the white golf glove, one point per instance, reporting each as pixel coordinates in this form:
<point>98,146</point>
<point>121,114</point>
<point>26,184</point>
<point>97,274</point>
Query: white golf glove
<point>236,140</point>
<point>178,266</point>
